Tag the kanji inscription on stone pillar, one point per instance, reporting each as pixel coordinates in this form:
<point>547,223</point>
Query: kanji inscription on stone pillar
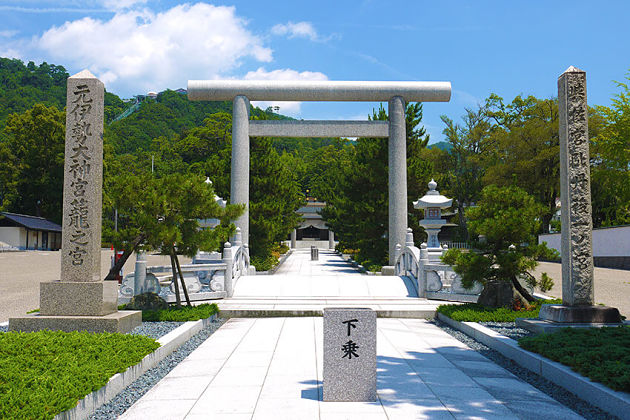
<point>83,180</point>
<point>575,187</point>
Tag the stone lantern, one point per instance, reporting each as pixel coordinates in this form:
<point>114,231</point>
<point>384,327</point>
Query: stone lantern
<point>212,223</point>
<point>433,203</point>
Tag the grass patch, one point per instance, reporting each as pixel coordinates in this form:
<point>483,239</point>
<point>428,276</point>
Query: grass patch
<point>601,354</point>
<point>185,313</point>
<point>473,312</point>
<point>46,372</point>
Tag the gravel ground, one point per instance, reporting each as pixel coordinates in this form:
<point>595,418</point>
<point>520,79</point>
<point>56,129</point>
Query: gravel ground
<point>508,329</point>
<point>558,393</point>
<point>155,330</point>
<point>125,399</point>
<point>150,329</point>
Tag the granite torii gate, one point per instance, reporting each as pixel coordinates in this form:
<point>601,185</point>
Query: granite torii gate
<point>395,93</point>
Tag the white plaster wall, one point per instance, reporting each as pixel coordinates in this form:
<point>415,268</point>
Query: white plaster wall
<point>12,236</point>
<point>607,242</point>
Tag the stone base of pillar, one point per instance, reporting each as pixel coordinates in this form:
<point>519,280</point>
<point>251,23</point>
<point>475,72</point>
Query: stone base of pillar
<point>579,314</point>
<point>554,317</point>
<point>67,298</point>
<point>78,306</point>
<point>117,322</point>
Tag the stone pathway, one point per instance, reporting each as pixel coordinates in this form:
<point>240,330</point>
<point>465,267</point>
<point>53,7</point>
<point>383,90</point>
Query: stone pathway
<point>301,286</point>
<point>271,368</point>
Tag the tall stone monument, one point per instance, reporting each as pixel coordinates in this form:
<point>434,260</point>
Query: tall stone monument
<point>577,223</point>
<point>81,300</point>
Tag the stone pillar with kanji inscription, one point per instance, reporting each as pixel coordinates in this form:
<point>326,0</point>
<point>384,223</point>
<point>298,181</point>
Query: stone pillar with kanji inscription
<point>81,300</point>
<point>577,223</point>
<point>575,190</point>
<point>83,180</point>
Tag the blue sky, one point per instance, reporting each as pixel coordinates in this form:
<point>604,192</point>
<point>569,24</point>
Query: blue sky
<point>481,47</point>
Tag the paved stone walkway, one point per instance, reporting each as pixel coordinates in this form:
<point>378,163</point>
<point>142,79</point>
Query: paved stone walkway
<point>302,285</point>
<point>271,368</point>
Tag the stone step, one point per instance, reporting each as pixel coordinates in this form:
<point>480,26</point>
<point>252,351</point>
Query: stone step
<point>275,313</point>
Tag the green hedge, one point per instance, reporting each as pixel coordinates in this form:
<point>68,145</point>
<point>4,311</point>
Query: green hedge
<point>601,354</point>
<point>185,313</point>
<point>473,312</point>
<point>45,373</point>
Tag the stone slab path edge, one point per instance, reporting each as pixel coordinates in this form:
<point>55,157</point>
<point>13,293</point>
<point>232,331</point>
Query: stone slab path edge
<point>614,402</point>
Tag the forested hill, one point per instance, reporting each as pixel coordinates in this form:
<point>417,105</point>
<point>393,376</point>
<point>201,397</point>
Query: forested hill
<point>22,86</point>
<point>170,114</point>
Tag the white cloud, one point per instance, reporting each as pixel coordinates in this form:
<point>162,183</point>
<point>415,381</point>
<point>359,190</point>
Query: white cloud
<point>7,34</point>
<point>296,30</point>
<point>286,108</point>
<point>122,4</point>
<point>137,50</point>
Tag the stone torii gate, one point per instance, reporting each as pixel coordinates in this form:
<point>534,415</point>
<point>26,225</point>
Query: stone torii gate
<point>395,93</point>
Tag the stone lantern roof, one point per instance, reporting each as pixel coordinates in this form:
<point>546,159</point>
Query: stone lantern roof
<point>221,202</point>
<point>433,198</point>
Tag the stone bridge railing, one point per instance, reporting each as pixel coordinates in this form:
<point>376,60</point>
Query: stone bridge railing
<point>433,279</point>
<point>210,276</point>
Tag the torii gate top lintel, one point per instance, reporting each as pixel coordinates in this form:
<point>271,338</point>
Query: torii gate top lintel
<point>320,90</point>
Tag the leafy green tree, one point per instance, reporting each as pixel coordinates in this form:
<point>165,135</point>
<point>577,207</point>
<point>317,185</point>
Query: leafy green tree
<point>274,196</point>
<point>357,195</point>
<point>32,162</point>
<point>610,160</point>
<point>164,213</point>
<point>525,149</point>
<point>462,179</point>
<point>504,227</point>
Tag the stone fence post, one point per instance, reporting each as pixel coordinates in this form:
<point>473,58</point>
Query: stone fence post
<point>229,263</point>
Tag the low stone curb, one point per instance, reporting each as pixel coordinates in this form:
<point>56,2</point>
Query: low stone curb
<point>613,402</point>
<point>168,344</point>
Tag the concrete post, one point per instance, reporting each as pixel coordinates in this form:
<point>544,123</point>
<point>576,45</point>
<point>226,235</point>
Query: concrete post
<point>422,275</point>
<point>397,151</point>
<point>331,239</point>
<point>140,273</point>
<point>238,237</point>
<point>239,191</point>
<point>409,237</point>
<point>229,262</point>
<point>293,239</point>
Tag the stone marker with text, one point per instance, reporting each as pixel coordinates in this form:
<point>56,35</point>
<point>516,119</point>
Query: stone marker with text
<point>349,354</point>
<point>577,223</point>
<point>81,300</point>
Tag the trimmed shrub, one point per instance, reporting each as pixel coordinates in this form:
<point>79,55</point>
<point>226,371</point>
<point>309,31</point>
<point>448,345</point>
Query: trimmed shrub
<point>473,312</point>
<point>44,373</point>
<point>601,354</point>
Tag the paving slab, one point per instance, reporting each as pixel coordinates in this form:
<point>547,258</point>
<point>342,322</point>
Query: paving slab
<point>271,368</point>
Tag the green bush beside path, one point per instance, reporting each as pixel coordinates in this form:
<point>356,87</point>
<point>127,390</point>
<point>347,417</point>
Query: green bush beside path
<point>473,312</point>
<point>601,354</point>
<point>46,372</point>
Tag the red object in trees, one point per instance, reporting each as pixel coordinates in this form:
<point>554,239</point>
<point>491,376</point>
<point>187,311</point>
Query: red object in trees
<point>117,256</point>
